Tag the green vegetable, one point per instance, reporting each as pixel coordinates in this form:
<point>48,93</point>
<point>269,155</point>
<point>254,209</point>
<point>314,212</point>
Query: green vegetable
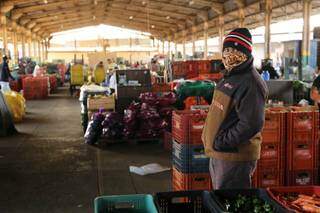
<point>247,204</point>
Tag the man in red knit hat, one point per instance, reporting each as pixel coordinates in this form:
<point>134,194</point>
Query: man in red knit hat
<point>231,134</point>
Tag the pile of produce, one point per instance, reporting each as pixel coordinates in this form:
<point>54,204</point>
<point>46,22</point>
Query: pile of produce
<point>247,204</point>
<point>112,126</point>
<point>94,129</point>
<point>150,117</point>
<point>301,202</point>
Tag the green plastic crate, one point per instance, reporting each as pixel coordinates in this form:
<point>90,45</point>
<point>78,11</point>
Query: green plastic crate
<point>139,203</point>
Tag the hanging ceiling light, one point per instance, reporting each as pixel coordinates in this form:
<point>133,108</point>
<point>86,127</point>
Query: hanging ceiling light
<point>144,3</point>
<point>152,26</point>
<point>168,17</point>
<point>94,17</point>
<point>45,1</point>
<point>131,17</point>
<point>191,2</point>
<point>95,2</point>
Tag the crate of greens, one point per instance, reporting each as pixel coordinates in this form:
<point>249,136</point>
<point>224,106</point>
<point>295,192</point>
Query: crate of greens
<point>241,200</point>
<point>297,198</point>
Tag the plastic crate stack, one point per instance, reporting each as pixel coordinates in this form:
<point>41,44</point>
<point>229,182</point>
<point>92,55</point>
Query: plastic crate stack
<point>270,170</point>
<point>190,165</point>
<point>179,69</point>
<point>53,83</point>
<point>35,88</point>
<point>302,147</point>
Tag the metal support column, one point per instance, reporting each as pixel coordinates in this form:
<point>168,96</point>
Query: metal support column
<point>194,41</point>
<point>23,44</point>
<point>241,17</point>
<point>39,51</point>
<point>163,46</point>
<point>4,34</point>
<point>14,37</point>
<point>34,48</point>
<point>306,33</point>
<point>221,31</point>
<point>184,39</point>
<point>267,23</point>
<point>29,46</point>
<point>205,35</point>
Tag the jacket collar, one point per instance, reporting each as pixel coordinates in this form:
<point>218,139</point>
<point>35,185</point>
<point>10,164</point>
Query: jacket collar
<point>244,67</point>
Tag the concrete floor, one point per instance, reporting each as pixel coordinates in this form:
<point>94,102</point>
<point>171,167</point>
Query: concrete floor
<point>48,168</point>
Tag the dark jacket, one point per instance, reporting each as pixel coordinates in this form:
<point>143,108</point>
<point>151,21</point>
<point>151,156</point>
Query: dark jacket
<point>236,116</point>
<point>5,72</point>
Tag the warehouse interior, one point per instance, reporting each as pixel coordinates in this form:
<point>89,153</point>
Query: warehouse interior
<point>51,157</point>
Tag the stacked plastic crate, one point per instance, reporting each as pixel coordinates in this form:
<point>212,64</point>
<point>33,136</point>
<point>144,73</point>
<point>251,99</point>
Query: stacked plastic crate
<point>270,170</point>
<point>190,165</point>
<point>302,143</point>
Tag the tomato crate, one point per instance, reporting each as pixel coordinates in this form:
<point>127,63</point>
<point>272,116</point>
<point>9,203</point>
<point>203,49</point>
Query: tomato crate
<point>278,194</point>
<point>270,177</point>
<point>190,181</point>
<point>167,140</point>
<point>180,201</point>
<point>302,155</point>
<point>302,177</point>
<point>274,126</point>
<point>301,126</point>
<point>190,158</point>
<point>194,101</point>
<point>187,126</point>
<point>317,125</point>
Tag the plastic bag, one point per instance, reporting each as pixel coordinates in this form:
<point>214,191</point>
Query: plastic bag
<point>16,105</point>
<point>151,168</point>
<point>94,129</point>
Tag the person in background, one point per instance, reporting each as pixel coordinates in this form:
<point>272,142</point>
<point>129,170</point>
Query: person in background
<point>112,81</point>
<point>5,75</point>
<point>268,67</point>
<point>122,66</point>
<point>100,64</point>
<point>231,134</point>
<point>315,89</point>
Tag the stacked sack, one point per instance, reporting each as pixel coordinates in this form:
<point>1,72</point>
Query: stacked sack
<point>16,104</point>
<point>190,165</point>
<point>35,87</point>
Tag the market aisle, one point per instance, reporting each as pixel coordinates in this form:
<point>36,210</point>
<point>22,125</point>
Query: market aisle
<point>48,168</point>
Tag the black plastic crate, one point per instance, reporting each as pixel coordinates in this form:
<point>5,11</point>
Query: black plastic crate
<point>180,201</point>
<point>213,200</point>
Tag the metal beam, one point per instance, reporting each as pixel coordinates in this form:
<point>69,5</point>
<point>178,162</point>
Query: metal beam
<point>306,32</point>
<point>267,23</point>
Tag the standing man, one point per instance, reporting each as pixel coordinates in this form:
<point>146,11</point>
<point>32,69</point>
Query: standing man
<point>314,93</point>
<point>5,75</point>
<point>231,134</point>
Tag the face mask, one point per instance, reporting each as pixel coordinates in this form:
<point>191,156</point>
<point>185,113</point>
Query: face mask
<point>232,58</point>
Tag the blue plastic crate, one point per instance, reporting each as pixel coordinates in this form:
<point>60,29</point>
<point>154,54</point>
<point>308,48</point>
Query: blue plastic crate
<point>139,203</point>
<point>190,158</point>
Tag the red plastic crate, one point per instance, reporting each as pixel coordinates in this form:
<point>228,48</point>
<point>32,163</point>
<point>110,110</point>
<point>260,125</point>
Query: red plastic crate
<point>268,177</point>
<point>274,126</point>
<point>302,155</point>
<point>190,181</point>
<point>276,192</point>
<point>204,66</point>
<point>272,156</point>
<point>301,126</point>
<point>167,141</point>
<point>187,126</point>
<point>302,177</point>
